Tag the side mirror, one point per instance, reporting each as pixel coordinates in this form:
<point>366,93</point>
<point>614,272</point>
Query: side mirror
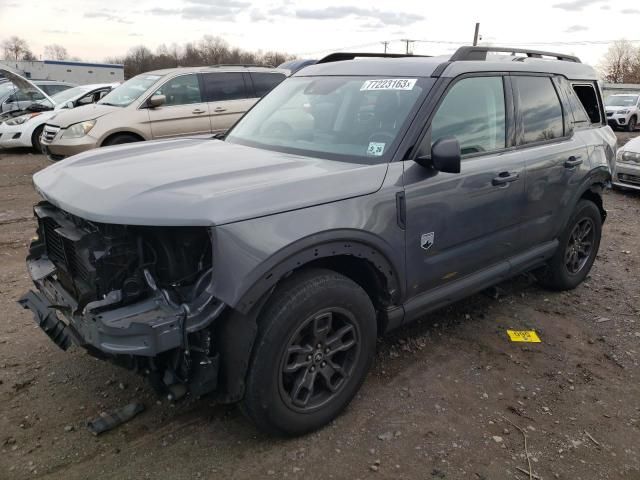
<point>156,101</point>
<point>69,104</point>
<point>445,156</point>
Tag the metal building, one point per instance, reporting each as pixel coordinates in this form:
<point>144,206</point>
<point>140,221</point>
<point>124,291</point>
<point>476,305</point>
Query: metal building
<point>66,71</point>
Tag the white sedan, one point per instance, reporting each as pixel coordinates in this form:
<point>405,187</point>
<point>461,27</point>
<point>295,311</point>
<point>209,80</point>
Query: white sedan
<point>626,171</point>
<point>25,130</point>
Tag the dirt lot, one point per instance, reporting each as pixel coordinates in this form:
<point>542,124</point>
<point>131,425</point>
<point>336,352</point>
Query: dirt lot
<point>443,400</point>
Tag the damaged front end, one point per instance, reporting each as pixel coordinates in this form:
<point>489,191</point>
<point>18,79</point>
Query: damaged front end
<point>139,296</point>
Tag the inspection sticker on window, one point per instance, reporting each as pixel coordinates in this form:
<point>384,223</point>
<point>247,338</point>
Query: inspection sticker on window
<point>389,84</point>
<point>529,336</point>
<point>375,149</point>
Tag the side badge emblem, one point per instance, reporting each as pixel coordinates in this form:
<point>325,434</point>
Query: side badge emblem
<point>426,241</point>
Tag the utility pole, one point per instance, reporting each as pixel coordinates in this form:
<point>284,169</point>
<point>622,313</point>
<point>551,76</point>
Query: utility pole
<point>386,44</point>
<point>407,41</point>
<point>476,34</point>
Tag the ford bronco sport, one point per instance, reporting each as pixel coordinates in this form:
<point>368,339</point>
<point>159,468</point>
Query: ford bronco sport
<point>359,194</point>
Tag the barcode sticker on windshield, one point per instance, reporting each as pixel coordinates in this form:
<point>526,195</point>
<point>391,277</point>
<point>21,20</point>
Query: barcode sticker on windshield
<point>376,149</point>
<point>389,84</point>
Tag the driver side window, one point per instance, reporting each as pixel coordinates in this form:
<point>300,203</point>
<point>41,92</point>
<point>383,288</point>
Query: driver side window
<point>473,112</point>
<point>181,90</point>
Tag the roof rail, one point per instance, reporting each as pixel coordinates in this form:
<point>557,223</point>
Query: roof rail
<point>480,53</point>
<point>340,56</point>
<point>239,65</point>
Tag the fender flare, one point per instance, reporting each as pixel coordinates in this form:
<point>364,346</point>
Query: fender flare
<point>327,244</point>
<point>596,181</point>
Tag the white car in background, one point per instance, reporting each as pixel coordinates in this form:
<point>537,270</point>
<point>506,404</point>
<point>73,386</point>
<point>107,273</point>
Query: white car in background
<point>25,129</point>
<point>626,171</point>
<point>623,110</point>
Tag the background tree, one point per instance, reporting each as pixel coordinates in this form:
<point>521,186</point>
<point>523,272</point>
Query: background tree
<point>621,63</point>
<point>16,48</point>
<point>55,52</point>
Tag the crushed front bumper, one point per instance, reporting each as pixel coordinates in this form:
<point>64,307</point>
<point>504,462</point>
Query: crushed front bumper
<point>145,328</point>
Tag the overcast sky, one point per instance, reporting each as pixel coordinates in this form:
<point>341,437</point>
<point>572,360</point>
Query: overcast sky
<point>95,29</point>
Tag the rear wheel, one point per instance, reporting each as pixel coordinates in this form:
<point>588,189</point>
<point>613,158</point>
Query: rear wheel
<point>631,126</point>
<point>577,251</point>
<point>315,344</point>
<point>121,138</point>
<point>35,139</point>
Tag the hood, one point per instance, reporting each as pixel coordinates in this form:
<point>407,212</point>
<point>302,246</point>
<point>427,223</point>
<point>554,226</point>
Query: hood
<point>22,83</point>
<point>612,108</point>
<point>632,146</point>
<point>197,181</point>
<point>67,117</point>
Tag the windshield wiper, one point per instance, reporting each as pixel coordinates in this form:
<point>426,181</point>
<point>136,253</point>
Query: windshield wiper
<point>219,136</point>
<point>110,104</point>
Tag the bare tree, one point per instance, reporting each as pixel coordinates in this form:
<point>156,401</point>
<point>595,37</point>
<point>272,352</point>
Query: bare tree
<point>56,52</point>
<point>210,50</point>
<point>16,48</point>
<point>621,63</point>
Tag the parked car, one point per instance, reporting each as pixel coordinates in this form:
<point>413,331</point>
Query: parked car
<point>626,172</point>
<point>161,104</point>
<point>25,129</point>
<point>263,266</point>
<point>623,111</point>
<point>294,65</point>
<point>19,96</point>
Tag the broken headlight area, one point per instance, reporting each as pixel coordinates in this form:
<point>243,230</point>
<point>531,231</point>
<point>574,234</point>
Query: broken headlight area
<point>134,294</point>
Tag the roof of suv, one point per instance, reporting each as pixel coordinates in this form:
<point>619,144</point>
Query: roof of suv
<point>465,60</point>
<point>217,68</point>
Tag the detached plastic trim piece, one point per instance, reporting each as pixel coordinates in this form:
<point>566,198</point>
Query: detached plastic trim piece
<point>46,318</point>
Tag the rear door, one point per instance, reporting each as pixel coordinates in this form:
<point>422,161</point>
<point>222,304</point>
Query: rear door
<point>228,97</point>
<point>264,82</point>
<point>184,113</point>
<point>556,159</point>
<point>458,224</point>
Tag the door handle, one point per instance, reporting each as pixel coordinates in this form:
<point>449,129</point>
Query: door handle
<point>198,111</point>
<point>573,161</point>
<point>220,109</point>
<point>504,178</point>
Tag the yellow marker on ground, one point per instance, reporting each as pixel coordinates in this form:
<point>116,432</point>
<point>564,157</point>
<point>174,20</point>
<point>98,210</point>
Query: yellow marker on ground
<point>529,336</point>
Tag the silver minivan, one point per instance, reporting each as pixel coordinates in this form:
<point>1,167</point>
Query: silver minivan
<point>161,104</point>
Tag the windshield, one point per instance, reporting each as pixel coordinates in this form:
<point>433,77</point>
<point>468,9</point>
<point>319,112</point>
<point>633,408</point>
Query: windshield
<point>130,90</point>
<point>341,118</point>
<point>64,96</point>
<point>622,100</point>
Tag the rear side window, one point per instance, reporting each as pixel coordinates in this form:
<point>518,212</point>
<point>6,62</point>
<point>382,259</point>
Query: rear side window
<point>474,112</point>
<point>264,82</point>
<point>223,86</point>
<point>540,109</point>
<point>589,101</point>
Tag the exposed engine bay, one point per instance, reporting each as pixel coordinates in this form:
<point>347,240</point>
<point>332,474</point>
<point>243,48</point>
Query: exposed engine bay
<point>137,295</point>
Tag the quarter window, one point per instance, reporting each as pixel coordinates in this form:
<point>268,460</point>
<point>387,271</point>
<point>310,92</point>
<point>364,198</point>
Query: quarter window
<point>474,112</point>
<point>589,100</point>
<point>263,83</point>
<point>540,109</point>
<point>181,90</point>
<point>221,86</point>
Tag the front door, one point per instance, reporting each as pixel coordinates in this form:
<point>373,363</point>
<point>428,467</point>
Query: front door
<point>184,113</point>
<point>458,224</point>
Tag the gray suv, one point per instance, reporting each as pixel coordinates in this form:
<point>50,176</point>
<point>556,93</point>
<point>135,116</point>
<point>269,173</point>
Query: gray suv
<point>361,193</point>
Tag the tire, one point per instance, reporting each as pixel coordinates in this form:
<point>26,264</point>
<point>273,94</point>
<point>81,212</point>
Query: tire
<point>631,126</point>
<point>35,139</point>
<point>572,261</point>
<point>308,313</point>
<point>120,138</point>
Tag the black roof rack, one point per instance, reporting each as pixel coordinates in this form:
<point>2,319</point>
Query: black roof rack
<point>340,56</point>
<point>480,53</point>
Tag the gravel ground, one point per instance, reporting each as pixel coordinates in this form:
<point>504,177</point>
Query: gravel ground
<point>448,398</point>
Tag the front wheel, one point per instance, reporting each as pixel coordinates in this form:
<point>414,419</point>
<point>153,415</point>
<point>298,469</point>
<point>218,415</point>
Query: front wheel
<point>315,345</point>
<point>120,139</point>
<point>631,126</point>
<point>35,139</point>
<point>577,251</point>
